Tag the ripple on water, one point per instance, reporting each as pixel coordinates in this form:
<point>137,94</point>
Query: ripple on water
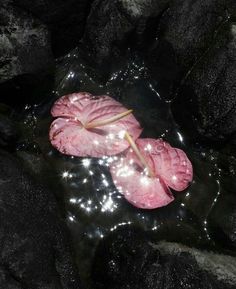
<point>93,206</point>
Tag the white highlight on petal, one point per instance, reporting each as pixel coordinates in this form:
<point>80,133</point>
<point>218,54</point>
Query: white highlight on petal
<point>174,178</point>
<point>148,148</point>
<point>121,134</point>
<point>145,181</point>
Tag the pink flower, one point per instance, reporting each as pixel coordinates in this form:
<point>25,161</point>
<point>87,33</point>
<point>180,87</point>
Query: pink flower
<point>96,126</point>
<point>147,171</point>
<point>88,125</point>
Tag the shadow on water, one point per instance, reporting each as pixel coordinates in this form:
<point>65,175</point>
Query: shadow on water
<point>92,205</point>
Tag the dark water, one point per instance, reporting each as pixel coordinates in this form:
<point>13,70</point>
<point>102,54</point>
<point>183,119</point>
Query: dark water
<point>91,203</point>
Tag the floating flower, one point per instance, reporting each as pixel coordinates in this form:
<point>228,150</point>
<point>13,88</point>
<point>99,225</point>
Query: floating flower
<point>94,126</point>
<point>147,171</point>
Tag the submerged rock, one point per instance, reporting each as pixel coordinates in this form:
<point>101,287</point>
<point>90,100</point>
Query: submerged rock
<point>24,44</point>
<point>35,250</point>
<point>127,259</point>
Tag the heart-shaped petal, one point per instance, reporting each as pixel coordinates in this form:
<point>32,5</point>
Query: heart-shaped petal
<point>90,125</point>
<point>71,105</point>
<point>139,189</point>
<point>170,164</point>
<point>148,168</point>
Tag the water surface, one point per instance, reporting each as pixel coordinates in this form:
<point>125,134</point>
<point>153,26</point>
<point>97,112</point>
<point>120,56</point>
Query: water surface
<point>91,204</point>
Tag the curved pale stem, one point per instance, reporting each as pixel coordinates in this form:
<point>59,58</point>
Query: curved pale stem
<point>94,124</point>
<point>139,155</point>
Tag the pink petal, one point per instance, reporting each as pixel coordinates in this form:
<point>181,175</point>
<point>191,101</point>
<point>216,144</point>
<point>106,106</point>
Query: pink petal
<point>71,105</point>
<point>171,164</point>
<point>69,136</point>
<point>140,190</point>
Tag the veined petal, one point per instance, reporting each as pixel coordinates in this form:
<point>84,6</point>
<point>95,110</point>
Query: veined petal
<point>170,164</point>
<point>79,109</point>
<point>170,167</point>
<point>139,189</point>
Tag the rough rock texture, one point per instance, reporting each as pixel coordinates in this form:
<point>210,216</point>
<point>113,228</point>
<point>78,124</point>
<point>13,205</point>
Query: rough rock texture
<point>200,55</point>
<point>31,30</point>
<point>126,259</point>
<point>35,252</point>
<point>184,33</point>
<point>231,4</point>
<point>142,8</point>
<point>24,44</point>
<point>65,20</point>
<point>8,132</point>
<point>110,24</point>
<point>173,44</point>
<point>223,217</point>
<point>221,268</point>
<point>211,87</point>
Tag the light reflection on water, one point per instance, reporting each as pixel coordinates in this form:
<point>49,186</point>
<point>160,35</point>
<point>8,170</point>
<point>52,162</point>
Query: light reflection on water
<point>93,205</point>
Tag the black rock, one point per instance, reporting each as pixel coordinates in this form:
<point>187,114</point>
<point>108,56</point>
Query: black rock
<point>231,4</point>
<point>183,34</point>
<point>27,89</point>
<point>127,259</point>
<point>222,218</point>
<point>215,270</point>
<point>112,27</point>
<point>35,250</point>
<point>193,61</point>
<point>24,44</point>
<point>208,93</point>
<point>65,20</point>
<point>8,133</point>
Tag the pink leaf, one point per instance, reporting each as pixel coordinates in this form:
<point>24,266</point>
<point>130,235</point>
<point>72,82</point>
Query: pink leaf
<point>81,128</point>
<point>170,167</point>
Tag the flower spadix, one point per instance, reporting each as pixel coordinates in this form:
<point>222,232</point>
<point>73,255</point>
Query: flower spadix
<point>94,126</point>
<point>145,174</point>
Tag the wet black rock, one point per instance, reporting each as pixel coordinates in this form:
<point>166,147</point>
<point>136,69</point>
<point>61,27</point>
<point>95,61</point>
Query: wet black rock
<point>8,133</point>
<point>35,250</point>
<point>232,8</point>
<point>209,91</point>
<point>27,89</point>
<point>216,270</point>
<point>195,62</point>
<point>24,43</point>
<point>127,259</point>
<point>112,26</point>
<point>222,218</point>
<point>183,34</point>
<point>65,20</point>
